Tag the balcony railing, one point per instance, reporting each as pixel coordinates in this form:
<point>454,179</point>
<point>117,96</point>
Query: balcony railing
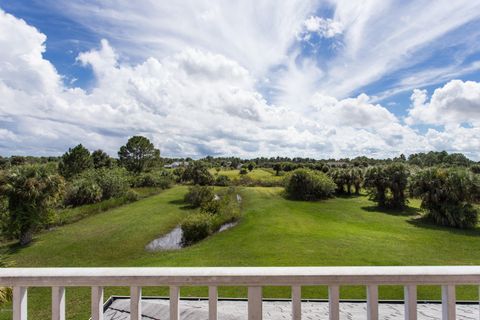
<point>253,278</point>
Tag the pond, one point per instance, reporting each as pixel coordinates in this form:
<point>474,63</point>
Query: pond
<point>173,239</point>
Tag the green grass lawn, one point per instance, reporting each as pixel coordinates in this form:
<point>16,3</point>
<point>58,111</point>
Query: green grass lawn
<point>257,174</point>
<point>273,232</point>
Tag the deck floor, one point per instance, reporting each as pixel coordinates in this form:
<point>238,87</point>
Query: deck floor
<point>158,309</point>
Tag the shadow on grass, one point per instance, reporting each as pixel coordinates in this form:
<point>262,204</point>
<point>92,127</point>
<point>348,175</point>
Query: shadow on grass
<point>181,203</point>
<point>406,212</point>
<point>348,196</point>
<point>422,222</point>
<point>15,247</point>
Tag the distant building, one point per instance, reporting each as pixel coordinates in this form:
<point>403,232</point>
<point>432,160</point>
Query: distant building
<point>176,164</point>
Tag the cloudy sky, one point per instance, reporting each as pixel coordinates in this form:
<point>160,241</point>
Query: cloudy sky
<point>331,78</point>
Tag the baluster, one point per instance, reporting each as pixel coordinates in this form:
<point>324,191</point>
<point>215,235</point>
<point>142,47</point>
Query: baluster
<point>296,302</point>
<point>136,303</point>
<point>58,303</point>
<point>410,298</point>
<point>334,302</point>
<point>212,303</point>
<point>97,303</point>
<point>20,303</point>
<point>254,303</point>
<point>174,303</point>
<point>448,302</point>
<point>372,302</point>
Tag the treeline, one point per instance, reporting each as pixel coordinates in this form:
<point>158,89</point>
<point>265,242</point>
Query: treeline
<point>448,194</point>
<point>429,159</point>
<point>32,193</point>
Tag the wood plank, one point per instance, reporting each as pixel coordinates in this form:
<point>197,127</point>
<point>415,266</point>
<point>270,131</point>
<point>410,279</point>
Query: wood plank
<point>448,302</point>
<point>58,303</point>
<point>20,303</point>
<point>136,303</point>
<point>296,302</point>
<point>212,303</point>
<point>410,298</point>
<point>174,303</point>
<point>334,302</point>
<point>255,303</point>
<point>372,302</point>
<point>97,303</point>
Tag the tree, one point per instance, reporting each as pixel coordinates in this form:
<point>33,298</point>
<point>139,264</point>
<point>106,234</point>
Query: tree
<point>197,172</point>
<point>277,167</point>
<point>376,183</point>
<point>101,159</point>
<point>31,192</point>
<point>447,195</point>
<point>75,161</point>
<point>251,166</point>
<point>387,185</point>
<point>138,154</point>
<point>357,178</point>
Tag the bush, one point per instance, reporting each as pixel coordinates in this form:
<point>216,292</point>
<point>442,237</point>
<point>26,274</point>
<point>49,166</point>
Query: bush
<point>159,179</point>
<point>113,182</point>
<point>96,185</point>
<point>213,214</point>
<point>196,227</point>
<point>32,191</point>
<point>222,181</point>
<point>197,195</point>
<point>83,191</point>
<point>132,196</point>
<point>305,184</point>
<point>447,196</point>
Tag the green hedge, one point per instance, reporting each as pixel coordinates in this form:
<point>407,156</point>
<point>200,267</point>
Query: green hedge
<point>306,184</point>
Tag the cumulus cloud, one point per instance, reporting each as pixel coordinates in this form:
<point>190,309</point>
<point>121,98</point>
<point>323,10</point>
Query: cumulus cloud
<point>194,102</point>
<point>457,102</point>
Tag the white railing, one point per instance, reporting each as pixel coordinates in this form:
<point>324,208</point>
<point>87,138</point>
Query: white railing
<point>253,278</point>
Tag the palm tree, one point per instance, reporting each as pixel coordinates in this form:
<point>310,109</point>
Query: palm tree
<point>31,193</point>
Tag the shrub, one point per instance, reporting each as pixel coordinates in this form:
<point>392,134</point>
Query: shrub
<point>96,185</point>
<point>132,196</point>
<point>222,181</point>
<point>83,191</point>
<point>446,196</point>
<point>159,179</point>
<point>305,184</point>
<point>213,214</point>
<point>5,292</point>
<point>31,191</point>
<point>243,171</point>
<point>113,182</point>
<point>196,227</point>
<point>197,195</point>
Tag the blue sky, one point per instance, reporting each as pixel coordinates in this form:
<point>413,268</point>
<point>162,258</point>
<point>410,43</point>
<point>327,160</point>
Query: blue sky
<point>305,78</point>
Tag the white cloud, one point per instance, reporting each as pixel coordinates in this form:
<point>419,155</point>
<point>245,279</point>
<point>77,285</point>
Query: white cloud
<point>190,103</point>
<point>325,27</point>
<point>381,37</point>
<point>455,103</point>
<point>197,99</point>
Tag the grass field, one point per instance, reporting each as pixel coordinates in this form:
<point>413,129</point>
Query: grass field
<point>257,174</point>
<point>273,232</point>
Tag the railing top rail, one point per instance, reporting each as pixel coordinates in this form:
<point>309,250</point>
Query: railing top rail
<point>239,276</point>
